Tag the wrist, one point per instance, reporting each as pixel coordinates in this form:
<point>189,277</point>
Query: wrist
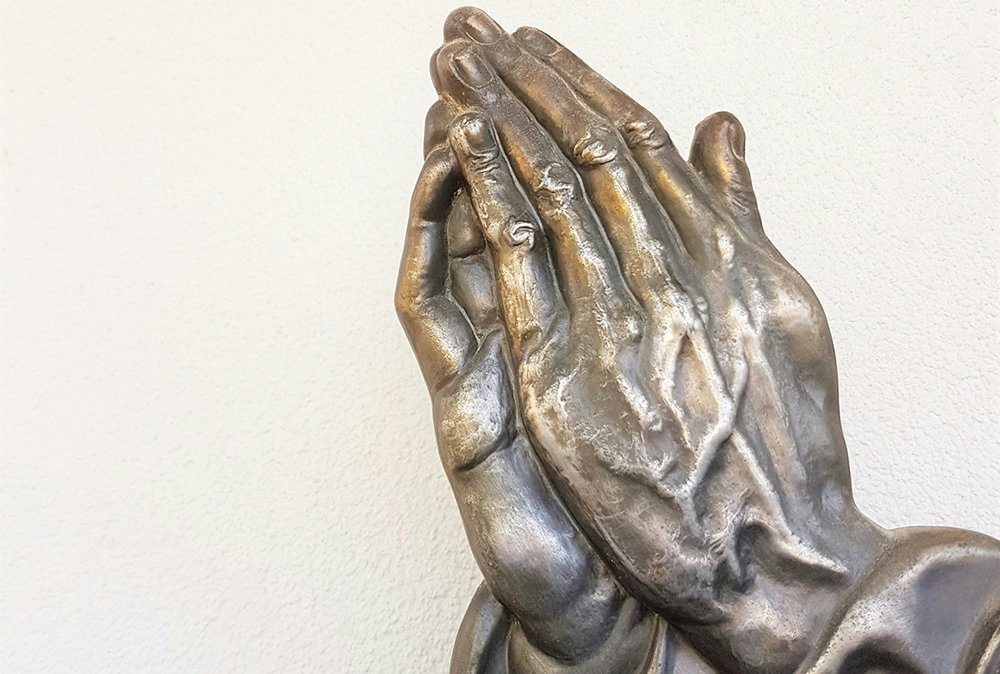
<point>638,635</point>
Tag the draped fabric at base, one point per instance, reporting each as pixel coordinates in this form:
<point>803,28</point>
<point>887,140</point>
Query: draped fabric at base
<point>929,605</point>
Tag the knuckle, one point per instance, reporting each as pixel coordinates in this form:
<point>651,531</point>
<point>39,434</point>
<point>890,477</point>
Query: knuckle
<point>411,306</point>
<point>520,232</point>
<point>645,132</point>
<point>402,310</point>
<point>407,310</point>
<point>599,145</point>
<point>555,186</point>
<point>486,163</point>
<point>413,303</point>
<point>405,298</point>
<point>400,301</point>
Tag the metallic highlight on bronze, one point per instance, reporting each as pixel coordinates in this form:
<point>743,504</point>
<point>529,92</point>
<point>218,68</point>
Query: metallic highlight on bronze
<point>635,399</point>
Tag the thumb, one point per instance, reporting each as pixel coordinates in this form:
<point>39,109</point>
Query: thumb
<point>717,154</point>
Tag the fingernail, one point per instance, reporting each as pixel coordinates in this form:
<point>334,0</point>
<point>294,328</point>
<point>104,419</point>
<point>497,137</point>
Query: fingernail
<point>482,28</point>
<point>471,69</point>
<point>476,133</point>
<point>737,141</point>
<point>537,42</point>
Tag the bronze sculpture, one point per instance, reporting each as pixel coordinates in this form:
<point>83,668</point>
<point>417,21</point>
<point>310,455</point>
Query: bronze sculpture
<point>635,397</point>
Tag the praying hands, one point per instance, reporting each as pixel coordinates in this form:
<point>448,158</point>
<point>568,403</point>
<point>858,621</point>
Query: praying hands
<point>635,399</point>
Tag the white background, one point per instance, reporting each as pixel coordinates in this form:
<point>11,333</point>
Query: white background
<point>217,448</point>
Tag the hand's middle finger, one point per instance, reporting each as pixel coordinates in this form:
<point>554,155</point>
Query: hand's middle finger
<point>647,243</point>
<point>589,277</point>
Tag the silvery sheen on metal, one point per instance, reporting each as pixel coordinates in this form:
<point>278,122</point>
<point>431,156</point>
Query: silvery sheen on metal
<point>635,400</point>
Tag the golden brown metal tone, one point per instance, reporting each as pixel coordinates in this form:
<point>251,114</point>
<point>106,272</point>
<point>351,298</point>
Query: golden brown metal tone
<point>635,399</point>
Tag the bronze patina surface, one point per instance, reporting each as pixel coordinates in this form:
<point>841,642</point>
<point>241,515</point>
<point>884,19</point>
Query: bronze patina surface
<point>635,399</point>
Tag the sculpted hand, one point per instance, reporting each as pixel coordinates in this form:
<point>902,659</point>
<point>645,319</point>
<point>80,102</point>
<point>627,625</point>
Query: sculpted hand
<point>766,327</point>
<point>677,379</point>
<point>569,610</point>
<point>676,374</point>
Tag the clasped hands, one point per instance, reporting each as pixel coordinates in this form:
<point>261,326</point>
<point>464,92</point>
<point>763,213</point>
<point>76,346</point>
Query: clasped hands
<point>635,395</point>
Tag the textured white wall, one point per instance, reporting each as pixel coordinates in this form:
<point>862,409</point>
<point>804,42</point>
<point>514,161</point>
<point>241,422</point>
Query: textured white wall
<point>217,449</point>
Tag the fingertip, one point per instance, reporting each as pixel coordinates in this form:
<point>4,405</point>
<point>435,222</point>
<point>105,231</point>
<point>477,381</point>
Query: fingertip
<point>441,60</point>
<point>721,130</point>
<point>472,133</point>
<point>473,23</point>
<point>454,22</point>
<point>536,41</point>
<point>438,180</point>
<point>458,64</point>
<point>436,125</point>
<point>441,63</point>
<point>717,152</point>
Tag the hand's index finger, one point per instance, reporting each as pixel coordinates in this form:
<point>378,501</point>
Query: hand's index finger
<point>675,183</point>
